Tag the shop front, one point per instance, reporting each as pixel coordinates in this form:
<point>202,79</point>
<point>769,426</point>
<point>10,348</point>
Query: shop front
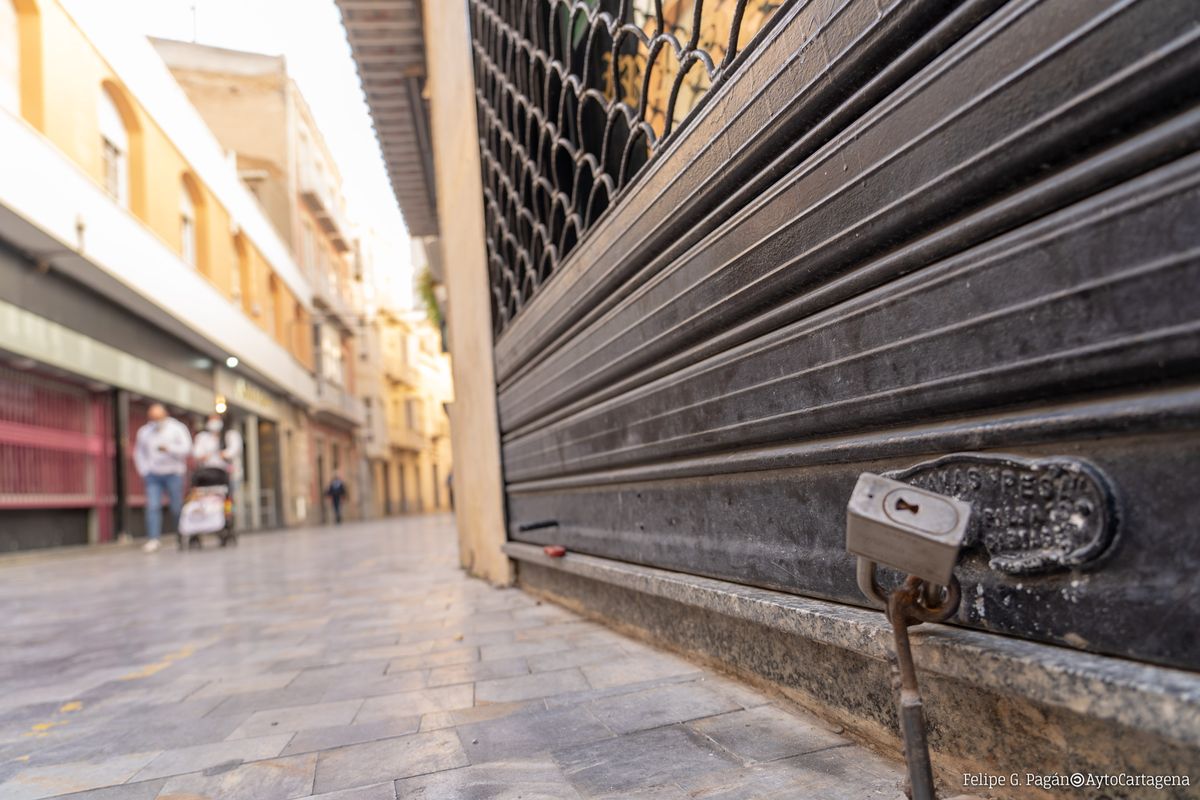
<point>258,416</point>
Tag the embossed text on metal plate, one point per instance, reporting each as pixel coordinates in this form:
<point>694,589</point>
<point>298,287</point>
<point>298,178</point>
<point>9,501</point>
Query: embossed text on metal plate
<point>1031,515</point>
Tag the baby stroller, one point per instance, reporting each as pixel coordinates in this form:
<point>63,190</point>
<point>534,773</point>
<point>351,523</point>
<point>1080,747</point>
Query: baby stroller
<point>208,509</point>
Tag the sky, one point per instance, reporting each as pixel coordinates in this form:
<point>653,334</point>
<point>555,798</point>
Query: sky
<point>309,34</point>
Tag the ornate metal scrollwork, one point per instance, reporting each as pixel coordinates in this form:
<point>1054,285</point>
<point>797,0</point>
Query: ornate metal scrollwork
<point>574,97</point>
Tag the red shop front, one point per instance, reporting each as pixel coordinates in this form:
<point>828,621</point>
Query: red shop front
<point>57,461</point>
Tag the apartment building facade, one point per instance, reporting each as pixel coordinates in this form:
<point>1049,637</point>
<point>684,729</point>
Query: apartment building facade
<point>408,389</point>
<point>149,254</point>
<point>417,392</point>
<point>259,116</point>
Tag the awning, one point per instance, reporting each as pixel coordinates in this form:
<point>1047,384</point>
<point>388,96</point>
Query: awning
<point>387,40</point>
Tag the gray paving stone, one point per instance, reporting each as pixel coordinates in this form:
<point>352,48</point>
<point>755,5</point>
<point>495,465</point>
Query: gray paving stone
<point>378,791</point>
<point>588,695</point>
<point>835,774</point>
<point>528,687</point>
<point>437,658</point>
<point>79,776</point>
<point>296,718</point>
<point>386,684</point>
<point>636,669</point>
<point>649,758</point>
<point>203,756</point>
<point>247,683</point>
<point>467,716</point>
<point>481,639</point>
<point>249,702</point>
<point>767,733</point>
<point>476,671</point>
<point>407,704</point>
<point>495,652</point>
<point>525,779</point>
<point>742,694</point>
<point>574,657</point>
<point>388,759</point>
<point>273,779</point>
<point>661,705</point>
<point>664,792</point>
<point>529,732</point>
<point>568,629</point>
<point>315,739</point>
<point>147,790</point>
<point>385,651</point>
<point>106,738</point>
<point>326,678</point>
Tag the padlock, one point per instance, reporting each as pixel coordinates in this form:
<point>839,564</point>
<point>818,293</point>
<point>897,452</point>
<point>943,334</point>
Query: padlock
<point>913,530</point>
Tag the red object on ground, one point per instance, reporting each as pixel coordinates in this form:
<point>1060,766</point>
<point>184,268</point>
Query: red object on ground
<point>554,550</point>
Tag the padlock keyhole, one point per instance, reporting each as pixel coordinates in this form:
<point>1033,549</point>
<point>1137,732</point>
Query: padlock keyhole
<point>904,505</point>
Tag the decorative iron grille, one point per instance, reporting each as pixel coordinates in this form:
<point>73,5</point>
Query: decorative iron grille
<point>574,97</point>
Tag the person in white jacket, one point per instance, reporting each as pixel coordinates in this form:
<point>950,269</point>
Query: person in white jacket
<point>160,457</point>
<point>212,449</point>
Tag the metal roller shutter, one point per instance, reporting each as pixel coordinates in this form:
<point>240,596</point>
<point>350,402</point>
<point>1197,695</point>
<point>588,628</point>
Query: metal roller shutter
<point>957,242</point>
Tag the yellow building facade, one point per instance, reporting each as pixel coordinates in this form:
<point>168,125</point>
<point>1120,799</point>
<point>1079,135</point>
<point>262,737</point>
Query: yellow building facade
<point>63,97</point>
<point>417,473</point>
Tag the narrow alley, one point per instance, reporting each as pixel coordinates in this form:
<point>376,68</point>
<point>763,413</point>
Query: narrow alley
<point>361,662</point>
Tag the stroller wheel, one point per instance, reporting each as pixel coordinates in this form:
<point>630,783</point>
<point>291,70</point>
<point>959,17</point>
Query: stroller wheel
<point>194,543</point>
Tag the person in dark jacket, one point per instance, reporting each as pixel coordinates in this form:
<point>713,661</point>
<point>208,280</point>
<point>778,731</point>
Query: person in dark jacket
<point>336,492</point>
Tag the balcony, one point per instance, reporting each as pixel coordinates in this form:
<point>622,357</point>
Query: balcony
<point>336,406</point>
<point>398,369</point>
<point>375,441</point>
<point>401,438</point>
<point>328,297</point>
<point>320,197</point>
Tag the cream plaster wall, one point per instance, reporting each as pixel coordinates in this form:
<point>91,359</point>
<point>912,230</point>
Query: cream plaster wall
<point>478,487</point>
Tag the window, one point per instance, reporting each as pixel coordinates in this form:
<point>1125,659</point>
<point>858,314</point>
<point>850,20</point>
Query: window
<point>114,149</point>
<point>412,411</point>
<point>308,248</point>
<point>187,226</point>
<point>10,58</point>
<point>241,274</point>
<point>298,330</point>
<point>331,356</point>
<point>274,310</point>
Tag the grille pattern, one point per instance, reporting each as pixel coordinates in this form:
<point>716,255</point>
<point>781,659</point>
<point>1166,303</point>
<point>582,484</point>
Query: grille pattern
<point>574,97</point>
<point>56,448</point>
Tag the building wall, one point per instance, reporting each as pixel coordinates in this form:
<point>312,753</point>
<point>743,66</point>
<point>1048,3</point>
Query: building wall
<point>479,506</point>
<point>243,99</point>
<point>74,78</point>
<point>417,386</point>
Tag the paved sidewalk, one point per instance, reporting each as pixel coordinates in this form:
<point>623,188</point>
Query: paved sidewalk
<point>359,663</point>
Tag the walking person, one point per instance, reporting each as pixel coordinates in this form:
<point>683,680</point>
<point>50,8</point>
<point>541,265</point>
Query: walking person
<point>160,457</point>
<point>220,448</point>
<point>336,492</point>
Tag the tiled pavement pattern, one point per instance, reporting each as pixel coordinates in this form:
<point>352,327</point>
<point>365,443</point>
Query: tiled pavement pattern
<point>359,663</point>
